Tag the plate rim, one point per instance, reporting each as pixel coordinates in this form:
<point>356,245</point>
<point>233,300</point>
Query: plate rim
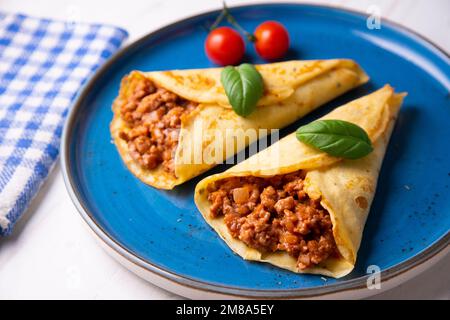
<point>178,279</point>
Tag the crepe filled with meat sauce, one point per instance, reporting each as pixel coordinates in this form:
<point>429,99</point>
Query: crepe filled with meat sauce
<point>296,207</point>
<point>156,114</point>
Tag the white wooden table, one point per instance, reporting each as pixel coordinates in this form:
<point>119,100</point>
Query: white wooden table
<point>51,253</point>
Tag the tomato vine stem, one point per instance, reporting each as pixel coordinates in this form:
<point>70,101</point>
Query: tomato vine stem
<point>226,14</point>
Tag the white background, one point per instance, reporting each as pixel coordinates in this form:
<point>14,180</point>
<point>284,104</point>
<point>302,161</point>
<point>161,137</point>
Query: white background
<point>51,254</point>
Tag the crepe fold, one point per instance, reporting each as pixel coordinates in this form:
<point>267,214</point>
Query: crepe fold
<point>291,90</point>
<point>345,187</point>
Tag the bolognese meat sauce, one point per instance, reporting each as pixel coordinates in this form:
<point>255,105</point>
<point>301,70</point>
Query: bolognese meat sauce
<point>275,213</point>
<point>153,116</point>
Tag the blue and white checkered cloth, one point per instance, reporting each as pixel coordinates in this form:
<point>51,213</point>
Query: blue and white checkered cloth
<point>43,64</point>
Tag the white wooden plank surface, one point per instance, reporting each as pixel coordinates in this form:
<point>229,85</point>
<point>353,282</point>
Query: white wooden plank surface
<point>52,255</point>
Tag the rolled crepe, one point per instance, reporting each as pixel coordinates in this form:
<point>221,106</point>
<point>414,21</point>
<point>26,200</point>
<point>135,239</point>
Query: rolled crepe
<point>345,187</point>
<point>291,90</point>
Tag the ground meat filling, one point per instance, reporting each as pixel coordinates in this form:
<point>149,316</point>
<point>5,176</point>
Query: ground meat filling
<point>271,214</point>
<point>153,116</point>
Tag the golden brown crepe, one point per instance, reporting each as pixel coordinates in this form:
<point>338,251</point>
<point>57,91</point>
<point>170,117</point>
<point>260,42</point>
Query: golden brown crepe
<point>292,89</point>
<point>346,187</point>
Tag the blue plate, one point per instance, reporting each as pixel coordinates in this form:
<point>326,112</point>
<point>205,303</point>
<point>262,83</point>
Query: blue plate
<point>162,232</point>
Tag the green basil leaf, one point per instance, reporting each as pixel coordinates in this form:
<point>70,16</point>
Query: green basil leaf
<point>243,86</point>
<point>336,137</point>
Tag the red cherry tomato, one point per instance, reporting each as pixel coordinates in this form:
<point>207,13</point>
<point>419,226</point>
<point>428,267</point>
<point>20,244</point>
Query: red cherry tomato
<point>272,40</point>
<point>224,46</point>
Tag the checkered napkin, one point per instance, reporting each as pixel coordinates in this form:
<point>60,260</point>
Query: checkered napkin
<point>43,64</point>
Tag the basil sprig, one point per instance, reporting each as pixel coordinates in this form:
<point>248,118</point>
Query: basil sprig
<point>336,137</point>
<point>243,86</point>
